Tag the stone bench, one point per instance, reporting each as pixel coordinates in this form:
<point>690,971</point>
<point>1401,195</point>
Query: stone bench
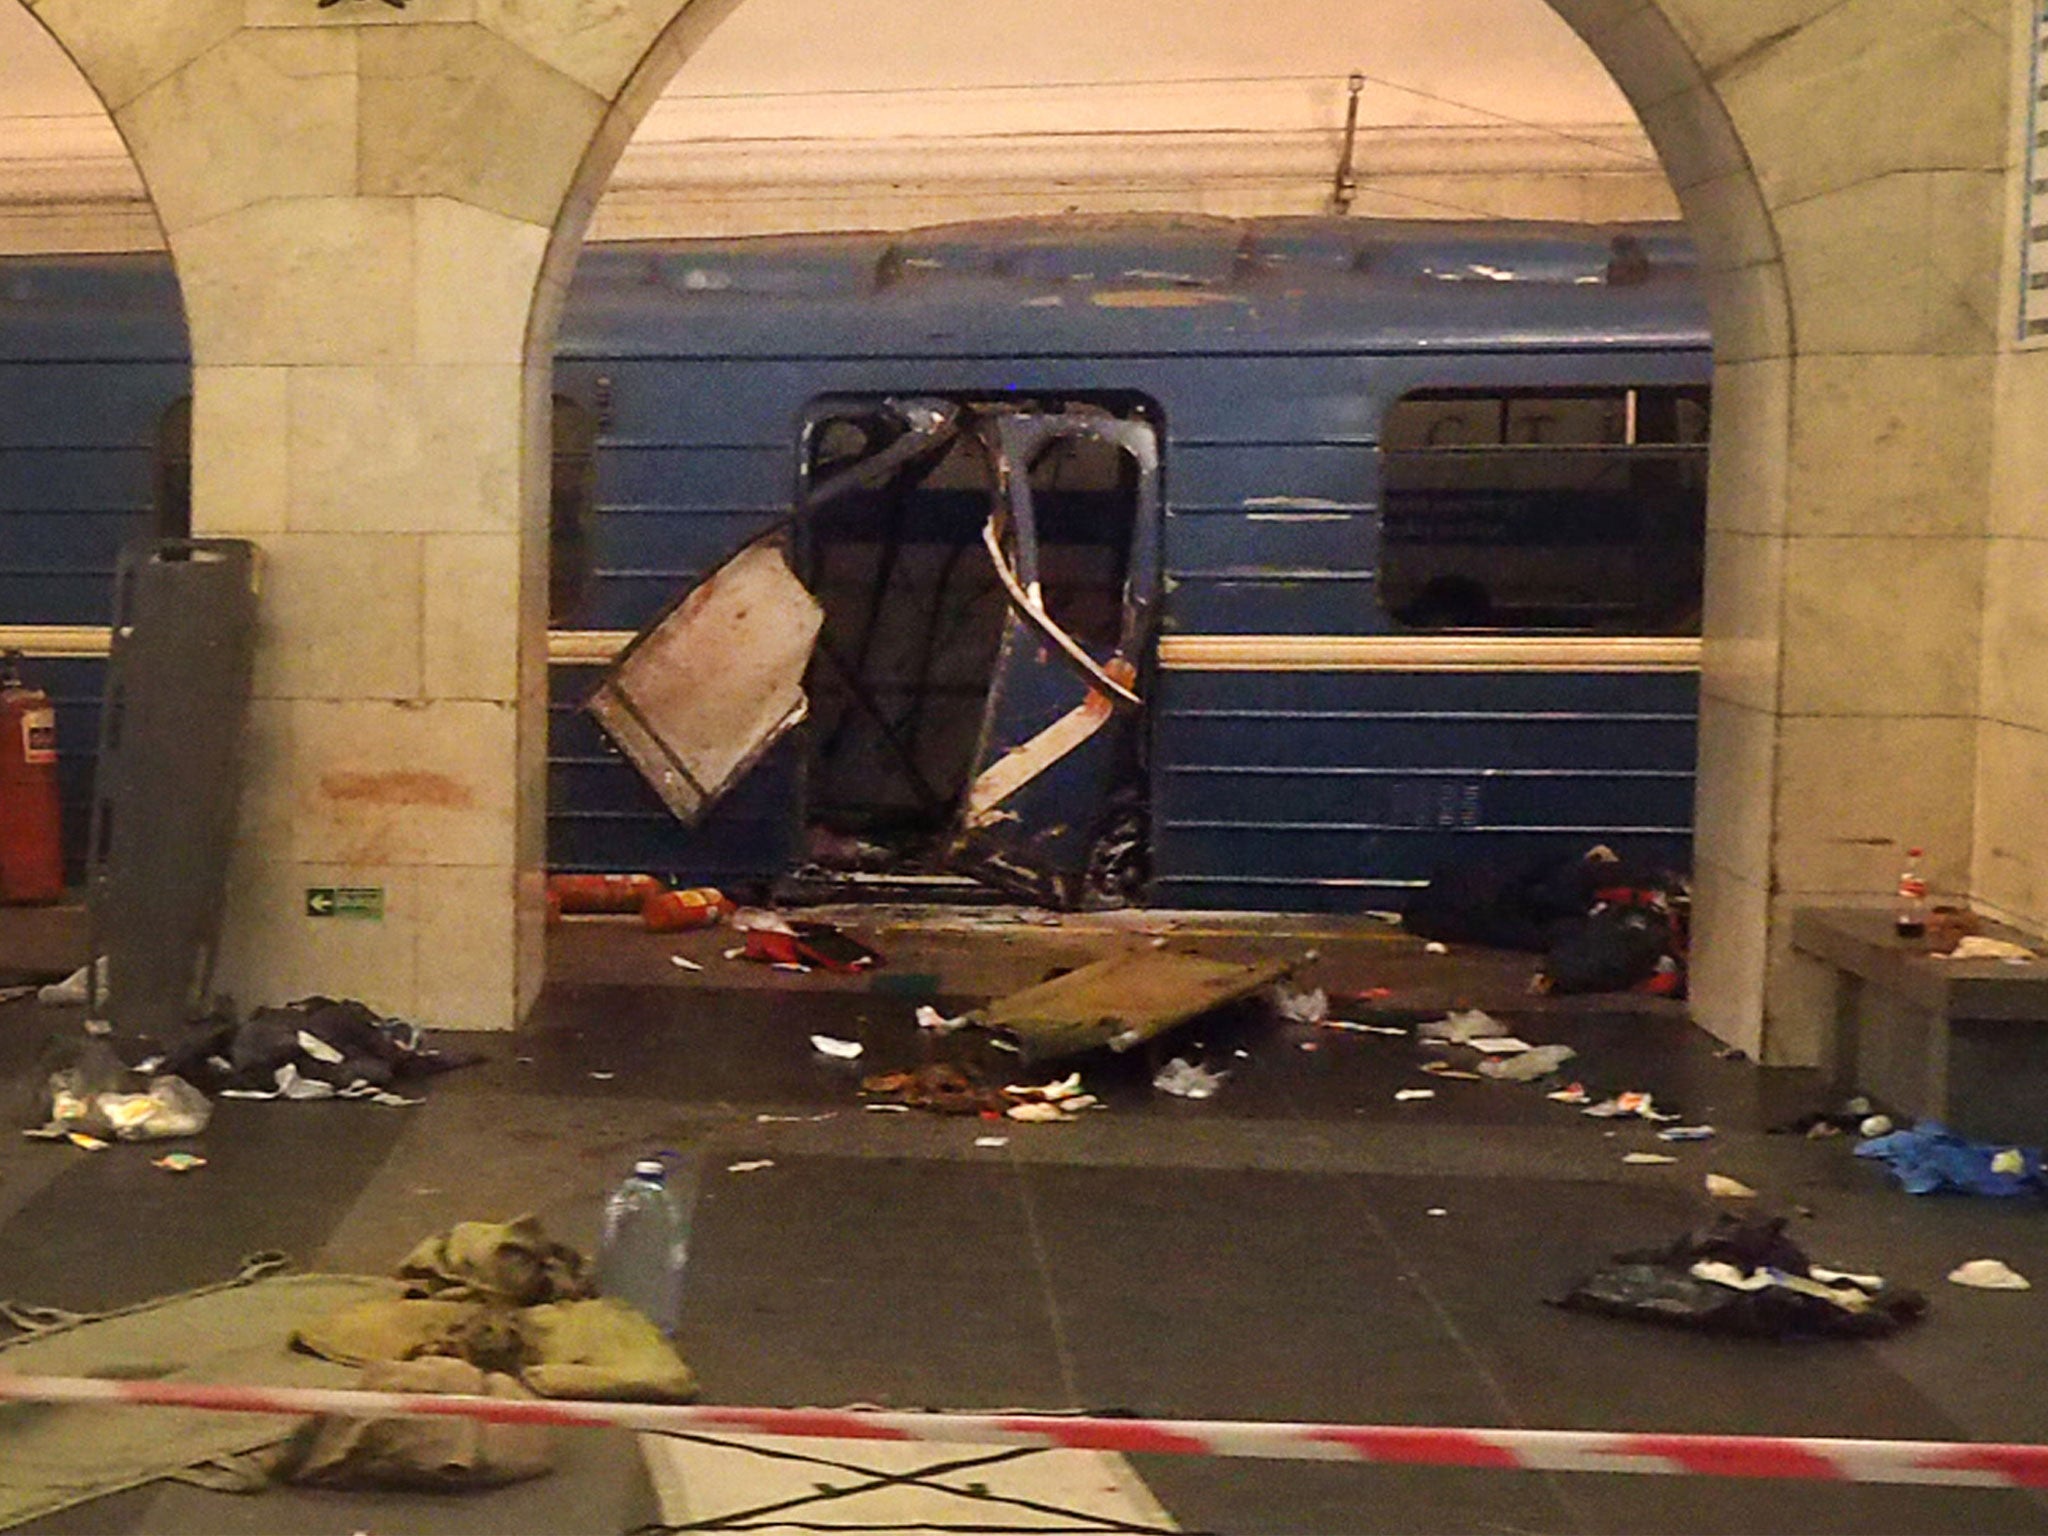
<point>1964,1042</point>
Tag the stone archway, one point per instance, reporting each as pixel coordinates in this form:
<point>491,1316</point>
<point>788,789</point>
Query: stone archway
<point>374,212</point>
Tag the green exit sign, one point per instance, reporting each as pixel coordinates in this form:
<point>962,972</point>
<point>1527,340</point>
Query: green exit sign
<point>364,902</point>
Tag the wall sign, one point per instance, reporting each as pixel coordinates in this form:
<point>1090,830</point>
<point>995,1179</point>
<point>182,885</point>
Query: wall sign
<point>2034,246</point>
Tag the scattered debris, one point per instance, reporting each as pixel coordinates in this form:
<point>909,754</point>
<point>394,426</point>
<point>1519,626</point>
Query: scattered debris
<point>1874,1126</point>
<point>1982,947</point>
<point>314,1048</point>
<point>800,946</point>
<point>1622,1106</point>
<point>178,1162</point>
<point>602,1077</point>
<point>1842,1121</point>
<point>1184,1080</point>
<point>1123,1001</point>
<point>71,991</point>
<point>1571,1093</point>
<point>684,963</point>
<point>937,1086</point>
<point>1745,1278</point>
<point>1687,1133</point>
<point>1445,1069</point>
<point>793,1119</point>
<point>1989,1275</point>
<point>930,1018</point>
<point>701,906</point>
<point>991,1141</point>
<point>1721,1187</point>
<point>86,1143</point>
<point>1731,1053</point>
<point>1436,1210</point>
<point>1537,1061</point>
<point>1040,1112</point>
<point>1931,1157</point>
<point>1301,1007</point>
<point>100,1099</point>
<point>1648,1159</point>
<point>1345,1026</point>
<point>1460,1028</point>
<point>754,1165</point>
<point>1413,1095</point>
<point>609,894</point>
<point>1501,1045</point>
<point>888,1109</point>
<point>842,1050</point>
<point>1435,948</point>
<point>1068,1087</point>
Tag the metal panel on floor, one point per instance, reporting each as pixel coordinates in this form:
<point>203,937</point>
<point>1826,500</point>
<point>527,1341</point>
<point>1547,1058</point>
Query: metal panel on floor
<point>163,809</point>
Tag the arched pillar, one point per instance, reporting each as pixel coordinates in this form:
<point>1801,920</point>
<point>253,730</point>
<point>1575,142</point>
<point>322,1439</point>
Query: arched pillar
<point>1843,169</point>
<point>359,201</point>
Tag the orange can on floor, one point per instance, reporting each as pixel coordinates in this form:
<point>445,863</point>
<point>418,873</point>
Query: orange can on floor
<point>674,911</point>
<point>603,893</point>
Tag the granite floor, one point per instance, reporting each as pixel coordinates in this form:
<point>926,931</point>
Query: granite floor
<point>1273,1252</point>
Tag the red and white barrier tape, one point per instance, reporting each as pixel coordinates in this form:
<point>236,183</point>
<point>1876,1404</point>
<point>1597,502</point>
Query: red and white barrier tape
<point>1535,1450</point>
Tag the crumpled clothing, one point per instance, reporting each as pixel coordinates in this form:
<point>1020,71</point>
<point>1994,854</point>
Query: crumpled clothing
<point>1930,1157</point>
<point>432,1454</point>
<point>506,1298</point>
<point>322,1041</point>
<point>1746,1278</point>
<point>508,1262</point>
<point>600,1348</point>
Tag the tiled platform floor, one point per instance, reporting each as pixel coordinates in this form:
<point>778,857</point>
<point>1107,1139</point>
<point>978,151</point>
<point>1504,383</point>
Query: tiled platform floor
<point>1266,1253</point>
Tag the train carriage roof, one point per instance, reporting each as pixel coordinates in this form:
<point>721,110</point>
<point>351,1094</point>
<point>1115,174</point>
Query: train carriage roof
<point>1077,286</point>
<point>1104,286</point>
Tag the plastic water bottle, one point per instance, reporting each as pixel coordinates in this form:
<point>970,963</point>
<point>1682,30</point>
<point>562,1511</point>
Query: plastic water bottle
<point>1910,916</point>
<point>646,1239</point>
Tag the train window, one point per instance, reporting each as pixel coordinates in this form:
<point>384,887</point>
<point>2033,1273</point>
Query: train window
<point>1570,510</point>
<point>172,489</point>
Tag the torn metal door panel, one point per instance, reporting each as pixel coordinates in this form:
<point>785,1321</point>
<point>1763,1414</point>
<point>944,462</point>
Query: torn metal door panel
<point>1123,1001</point>
<point>1062,733</point>
<point>1052,756</point>
<point>703,692</point>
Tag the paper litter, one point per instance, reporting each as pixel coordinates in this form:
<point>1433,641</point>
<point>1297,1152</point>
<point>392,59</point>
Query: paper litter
<point>1461,1028</point>
<point>842,1050</point>
<point>1622,1106</point>
<point>754,1165</point>
<point>1412,1095</point>
<point>1989,1275</point>
<point>1721,1187</point>
<point>1302,1007</point>
<point>1537,1061</point>
<point>930,1018</point>
<point>1648,1159</point>
<point>1183,1079</point>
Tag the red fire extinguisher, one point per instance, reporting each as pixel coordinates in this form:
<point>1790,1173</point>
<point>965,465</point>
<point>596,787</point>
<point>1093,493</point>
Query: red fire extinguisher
<point>31,835</point>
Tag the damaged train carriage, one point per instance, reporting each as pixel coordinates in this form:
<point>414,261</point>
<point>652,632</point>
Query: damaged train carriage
<point>1264,565</point>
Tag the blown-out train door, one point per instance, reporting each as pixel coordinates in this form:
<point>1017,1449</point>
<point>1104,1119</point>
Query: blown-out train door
<point>702,693</point>
<point>1063,727</point>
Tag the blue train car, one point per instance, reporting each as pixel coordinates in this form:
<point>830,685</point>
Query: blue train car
<point>1396,530</point>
